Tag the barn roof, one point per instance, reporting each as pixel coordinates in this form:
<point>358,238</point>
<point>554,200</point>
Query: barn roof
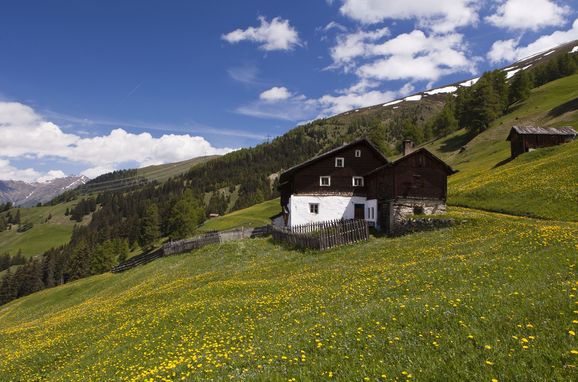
<point>533,130</point>
<point>447,167</point>
<point>332,152</point>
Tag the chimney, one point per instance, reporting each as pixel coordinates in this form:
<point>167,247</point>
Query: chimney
<point>407,146</point>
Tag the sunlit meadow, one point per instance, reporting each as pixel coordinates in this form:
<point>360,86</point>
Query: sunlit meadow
<point>493,298</point>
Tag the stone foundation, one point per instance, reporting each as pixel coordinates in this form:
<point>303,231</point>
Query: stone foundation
<point>402,209</point>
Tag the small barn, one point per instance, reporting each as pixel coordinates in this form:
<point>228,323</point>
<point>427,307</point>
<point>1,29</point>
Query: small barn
<point>527,138</point>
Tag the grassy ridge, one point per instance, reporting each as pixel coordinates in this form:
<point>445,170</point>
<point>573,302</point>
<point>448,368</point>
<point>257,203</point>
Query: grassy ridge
<point>43,235</point>
<point>491,298</point>
<point>254,216</point>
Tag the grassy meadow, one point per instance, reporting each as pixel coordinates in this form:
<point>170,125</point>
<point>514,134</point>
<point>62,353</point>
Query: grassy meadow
<point>44,234</point>
<point>492,298</point>
<point>254,216</point>
<point>543,183</point>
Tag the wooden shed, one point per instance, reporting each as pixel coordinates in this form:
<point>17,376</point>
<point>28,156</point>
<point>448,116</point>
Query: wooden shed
<point>527,138</point>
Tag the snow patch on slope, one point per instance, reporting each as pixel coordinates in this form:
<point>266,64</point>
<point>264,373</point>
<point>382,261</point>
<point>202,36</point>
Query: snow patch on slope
<point>416,97</point>
<point>447,89</point>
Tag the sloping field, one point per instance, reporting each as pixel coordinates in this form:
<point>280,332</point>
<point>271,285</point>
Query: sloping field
<point>494,297</point>
<point>543,183</point>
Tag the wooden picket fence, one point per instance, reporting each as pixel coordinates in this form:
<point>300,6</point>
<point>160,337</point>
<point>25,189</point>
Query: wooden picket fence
<point>323,235</point>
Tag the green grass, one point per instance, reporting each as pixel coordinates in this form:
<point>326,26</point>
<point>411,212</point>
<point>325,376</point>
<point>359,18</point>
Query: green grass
<point>43,235</point>
<point>491,298</point>
<point>543,183</point>
<point>254,216</point>
<point>163,172</point>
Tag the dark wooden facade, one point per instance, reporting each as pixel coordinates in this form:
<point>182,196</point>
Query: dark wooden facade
<point>525,138</point>
<point>304,178</point>
<point>416,175</point>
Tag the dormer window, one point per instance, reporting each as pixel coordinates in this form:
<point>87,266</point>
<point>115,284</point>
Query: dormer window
<point>339,162</point>
<point>325,181</point>
<point>357,181</point>
<point>358,153</point>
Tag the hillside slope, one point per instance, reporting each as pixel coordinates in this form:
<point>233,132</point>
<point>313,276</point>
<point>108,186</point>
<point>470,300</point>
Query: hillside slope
<point>543,183</point>
<point>453,304</point>
<point>44,234</point>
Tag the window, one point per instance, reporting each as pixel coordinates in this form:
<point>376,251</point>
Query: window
<point>339,162</point>
<point>358,153</point>
<point>357,181</point>
<point>314,208</point>
<point>325,181</point>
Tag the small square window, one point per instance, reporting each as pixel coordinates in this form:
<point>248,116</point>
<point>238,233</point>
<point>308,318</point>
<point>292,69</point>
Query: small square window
<point>339,162</point>
<point>358,153</point>
<point>357,181</point>
<point>325,181</point>
<point>314,208</point>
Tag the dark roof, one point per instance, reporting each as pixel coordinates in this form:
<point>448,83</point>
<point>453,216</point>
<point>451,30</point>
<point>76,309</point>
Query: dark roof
<point>533,130</point>
<point>425,151</point>
<point>331,152</point>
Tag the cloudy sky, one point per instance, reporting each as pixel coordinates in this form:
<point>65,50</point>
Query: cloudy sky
<point>89,87</point>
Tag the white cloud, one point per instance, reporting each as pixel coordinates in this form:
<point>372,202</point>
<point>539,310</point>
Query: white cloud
<point>9,172</point>
<point>27,134</point>
<point>509,50</point>
<point>528,14</point>
<point>437,15</point>
<point>93,172</point>
<point>275,94</point>
<point>300,108</point>
<point>274,35</point>
<point>52,174</point>
<point>411,56</point>
<point>354,45</point>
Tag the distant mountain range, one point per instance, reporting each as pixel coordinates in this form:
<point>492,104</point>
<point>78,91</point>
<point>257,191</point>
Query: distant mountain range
<point>29,194</point>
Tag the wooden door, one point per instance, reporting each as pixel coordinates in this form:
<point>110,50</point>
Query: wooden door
<point>384,218</point>
<point>359,211</point>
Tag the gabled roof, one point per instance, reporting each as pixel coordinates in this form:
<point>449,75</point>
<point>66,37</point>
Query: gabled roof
<point>448,169</point>
<point>332,152</point>
<point>533,130</point>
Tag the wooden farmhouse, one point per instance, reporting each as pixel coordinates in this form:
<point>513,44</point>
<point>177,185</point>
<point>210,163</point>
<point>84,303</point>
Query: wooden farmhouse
<point>527,138</point>
<point>356,181</point>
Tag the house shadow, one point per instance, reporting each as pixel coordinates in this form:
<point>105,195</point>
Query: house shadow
<point>456,143</point>
<point>564,108</point>
<point>503,162</point>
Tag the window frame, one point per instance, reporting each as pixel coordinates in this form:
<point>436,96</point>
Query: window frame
<point>314,208</point>
<point>342,159</point>
<point>358,153</point>
<point>328,181</point>
<point>357,185</point>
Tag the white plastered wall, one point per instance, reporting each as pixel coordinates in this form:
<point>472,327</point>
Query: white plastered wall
<point>330,208</point>
<point>371,210</point>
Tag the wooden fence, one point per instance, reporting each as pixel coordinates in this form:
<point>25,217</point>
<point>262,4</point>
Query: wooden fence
<point>143,258</point>
<point>324,235</point>
<point>186,245</point>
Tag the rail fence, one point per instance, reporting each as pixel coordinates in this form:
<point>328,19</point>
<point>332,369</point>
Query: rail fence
<point>186,245</point>
<point>324,235</point>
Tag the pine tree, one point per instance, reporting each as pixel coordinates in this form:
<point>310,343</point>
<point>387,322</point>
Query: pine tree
<point>149,227</point>
<point>520,87</point>
<point>8,288</point>
<point>186,214</point>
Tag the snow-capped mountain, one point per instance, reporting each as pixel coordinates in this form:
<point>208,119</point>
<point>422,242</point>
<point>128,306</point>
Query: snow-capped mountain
<point>29,194</point>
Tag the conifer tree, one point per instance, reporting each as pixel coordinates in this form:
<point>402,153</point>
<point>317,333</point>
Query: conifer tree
<point>149,227</point>
<point>186,214</point>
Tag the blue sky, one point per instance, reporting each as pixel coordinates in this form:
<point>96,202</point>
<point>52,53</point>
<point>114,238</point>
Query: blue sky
<point>92,86</point>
